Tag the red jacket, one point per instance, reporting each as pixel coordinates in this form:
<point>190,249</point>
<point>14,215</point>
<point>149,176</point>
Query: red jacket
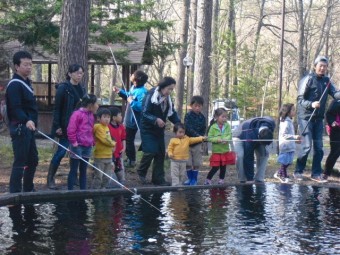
<point>118,134</point>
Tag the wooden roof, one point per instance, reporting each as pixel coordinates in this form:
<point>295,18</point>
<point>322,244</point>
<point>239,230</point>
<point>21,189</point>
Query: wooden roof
<point>135,52</point>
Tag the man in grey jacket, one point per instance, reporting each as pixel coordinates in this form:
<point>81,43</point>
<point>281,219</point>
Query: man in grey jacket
<point>311,88</point>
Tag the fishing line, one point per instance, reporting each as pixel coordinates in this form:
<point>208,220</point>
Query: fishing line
<point>134,191</point>
<point>123,84</point>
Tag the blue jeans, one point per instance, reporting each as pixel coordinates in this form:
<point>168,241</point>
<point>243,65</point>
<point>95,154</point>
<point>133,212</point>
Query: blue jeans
<point>313,136</point>
<point>72,176</point>
<point>25,159</point>
<point>60,153</point>
<point>75,162</point>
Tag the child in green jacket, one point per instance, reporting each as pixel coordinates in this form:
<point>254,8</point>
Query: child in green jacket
<point>219,135</point>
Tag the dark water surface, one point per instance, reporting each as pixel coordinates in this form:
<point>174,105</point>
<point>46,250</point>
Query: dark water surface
<point>262,219</point>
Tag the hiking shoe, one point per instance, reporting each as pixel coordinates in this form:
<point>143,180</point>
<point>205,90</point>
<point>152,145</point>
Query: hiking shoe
<point>298,177</point>
<point>207,182</point>
<point>220,181</point>
<point>318,179</point>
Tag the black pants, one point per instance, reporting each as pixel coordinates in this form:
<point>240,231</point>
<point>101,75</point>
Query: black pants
<point>25,159</point>
<point>334,154</point>
<point>157,166</point>
<point>130,143</point>
<point>213,171</point>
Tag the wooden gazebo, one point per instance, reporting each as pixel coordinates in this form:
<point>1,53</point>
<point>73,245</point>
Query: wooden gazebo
<point>137,53</point>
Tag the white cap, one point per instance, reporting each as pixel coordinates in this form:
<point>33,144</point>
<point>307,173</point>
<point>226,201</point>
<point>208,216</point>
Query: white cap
<point>320,59</point>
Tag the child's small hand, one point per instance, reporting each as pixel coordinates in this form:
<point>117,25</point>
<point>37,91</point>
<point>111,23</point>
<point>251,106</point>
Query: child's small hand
<point>205,138</point>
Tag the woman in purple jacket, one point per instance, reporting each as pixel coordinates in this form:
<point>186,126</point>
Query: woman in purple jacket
<point>80,136</point>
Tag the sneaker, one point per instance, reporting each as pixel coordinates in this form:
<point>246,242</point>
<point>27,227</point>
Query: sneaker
<point>220,181</point>
<point>281,178</point>
<point>207,182</point>
<point>298,177</point>
<point>325,177</point>
<point>318,179</point>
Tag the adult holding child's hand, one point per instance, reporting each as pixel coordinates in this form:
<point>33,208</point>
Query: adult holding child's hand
<point>157,108</point>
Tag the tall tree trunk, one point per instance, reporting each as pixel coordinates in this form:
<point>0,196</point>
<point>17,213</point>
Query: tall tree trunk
<point>215,63</point>
<point>113,82</point>
<point>183,52</point>
<point>257,37</point>
<point>325,30</point>
<point>230,45</point>
<point>74,33</point>
<point>97,81</point>
<point>233,47</point>
<point>38,72</point>
<point>203,51</point>
<point>193,25</point>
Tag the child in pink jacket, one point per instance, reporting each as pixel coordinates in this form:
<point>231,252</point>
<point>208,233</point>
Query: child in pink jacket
<point>80,136</point>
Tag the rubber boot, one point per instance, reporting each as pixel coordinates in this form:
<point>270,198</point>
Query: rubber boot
<point>50,176</point>
<point>194,177</point>
<point>189,174</point>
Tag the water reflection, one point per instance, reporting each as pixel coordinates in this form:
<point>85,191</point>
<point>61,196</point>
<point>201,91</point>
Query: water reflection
<point>24,219</point>
<point>249,219</point>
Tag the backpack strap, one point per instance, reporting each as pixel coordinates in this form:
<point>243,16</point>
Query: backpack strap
<point>23,83</point>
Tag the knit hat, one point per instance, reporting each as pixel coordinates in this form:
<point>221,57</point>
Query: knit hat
<point>320,59</point>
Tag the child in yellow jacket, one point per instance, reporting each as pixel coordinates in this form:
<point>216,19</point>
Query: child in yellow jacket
<point>103,149</point>
<point>178,152</point>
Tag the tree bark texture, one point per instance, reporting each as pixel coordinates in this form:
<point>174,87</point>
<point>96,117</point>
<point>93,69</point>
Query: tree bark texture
<point>74,33</point>
<point>203,52</point>
<point>215,65</point>
<point>182,53</point>
<point>193,26</point>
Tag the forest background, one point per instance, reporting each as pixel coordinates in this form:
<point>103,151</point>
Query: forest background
<point>253,51</point>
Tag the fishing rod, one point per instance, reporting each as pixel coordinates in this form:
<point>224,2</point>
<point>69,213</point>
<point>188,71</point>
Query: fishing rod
<point>253,140</point>
<point>123,84</point>
<point>134,191</point>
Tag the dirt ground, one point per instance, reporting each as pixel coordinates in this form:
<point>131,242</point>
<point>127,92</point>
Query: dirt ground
<point>131,175</point>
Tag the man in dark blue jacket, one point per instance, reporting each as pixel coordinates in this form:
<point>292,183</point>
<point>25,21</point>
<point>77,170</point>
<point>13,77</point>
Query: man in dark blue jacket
<point>22,113</point>
<point>252,136</point>
<point>311,88</point>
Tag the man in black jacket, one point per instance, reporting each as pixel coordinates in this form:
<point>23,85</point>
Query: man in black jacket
<point>311,88</point>
<point>22,113</point>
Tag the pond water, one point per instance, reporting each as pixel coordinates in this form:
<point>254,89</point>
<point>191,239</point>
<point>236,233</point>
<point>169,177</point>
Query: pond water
<point>258,219</point>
